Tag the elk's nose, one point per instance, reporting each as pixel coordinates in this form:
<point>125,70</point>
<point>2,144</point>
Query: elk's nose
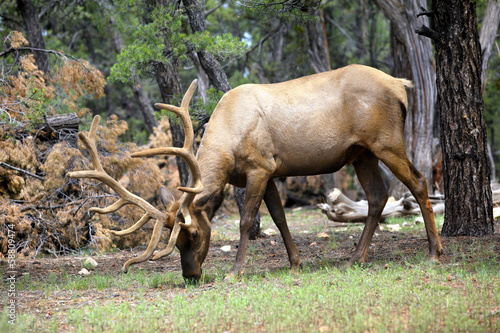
<point>192,278</point>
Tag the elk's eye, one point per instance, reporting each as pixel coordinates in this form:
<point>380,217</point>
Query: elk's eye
<point>195,234</point>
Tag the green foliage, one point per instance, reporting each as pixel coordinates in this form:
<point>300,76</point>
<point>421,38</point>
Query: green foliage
<point>165,39</point>
<point>302,11</point>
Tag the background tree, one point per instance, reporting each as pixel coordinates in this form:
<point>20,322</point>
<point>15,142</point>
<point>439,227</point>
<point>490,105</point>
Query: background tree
<point>468,198</point>
<point>33,30</point>
<point>413,59</point>
<point>283,41</point>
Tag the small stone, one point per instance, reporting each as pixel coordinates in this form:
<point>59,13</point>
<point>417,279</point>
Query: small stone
<point>419,220</point>
<point>84,272</point>
<point>89,263</point>
<point>226,248</point>
<point>270,232</point>
<point>394,227</point>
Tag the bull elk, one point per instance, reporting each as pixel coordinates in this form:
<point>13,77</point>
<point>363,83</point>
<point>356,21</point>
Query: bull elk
<point>311,125</point>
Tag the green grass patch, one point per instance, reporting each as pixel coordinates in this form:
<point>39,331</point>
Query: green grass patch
<point>396,299</point>
<point>403,293</point>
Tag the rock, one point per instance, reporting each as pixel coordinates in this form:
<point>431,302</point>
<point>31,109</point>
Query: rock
<point>84,272</point>
<point>269,231</point>
<point>226,248</point>
<point>419,220</point>
<point>394,227</point>
<point>89,263</point>
<point>496,212</point>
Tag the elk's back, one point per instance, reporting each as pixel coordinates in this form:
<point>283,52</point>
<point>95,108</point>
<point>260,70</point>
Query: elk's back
<point>309,125</point>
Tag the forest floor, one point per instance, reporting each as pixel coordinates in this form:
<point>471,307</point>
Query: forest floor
<point>266,254</point>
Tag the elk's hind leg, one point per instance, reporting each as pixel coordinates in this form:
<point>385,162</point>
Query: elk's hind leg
<point>400,166</point>
<point>366,167</point>
<point>273,203</point>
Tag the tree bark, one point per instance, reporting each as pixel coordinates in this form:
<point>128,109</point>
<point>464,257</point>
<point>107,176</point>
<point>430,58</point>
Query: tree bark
<point>488,33</point>
<point>466,167</point>
<point>140,94</point>
<point>220,81</point>
<point>421,119</point>
<point>210,65</point>
<point>318,44</point>
<point>145,105</point>
<point>34,33</point>
<point>168,81</point>
<point>203,79</point>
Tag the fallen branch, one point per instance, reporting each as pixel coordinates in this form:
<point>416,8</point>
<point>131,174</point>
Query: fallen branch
<point>5,165</point>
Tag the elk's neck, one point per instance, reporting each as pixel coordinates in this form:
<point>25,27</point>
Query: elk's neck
<point>214,178</point>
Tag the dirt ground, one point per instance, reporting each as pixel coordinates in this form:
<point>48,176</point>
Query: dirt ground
<point>265,254</point>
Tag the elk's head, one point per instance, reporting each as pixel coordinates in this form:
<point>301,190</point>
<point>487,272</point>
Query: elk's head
<point>193,238</point>
<point>190,228</point>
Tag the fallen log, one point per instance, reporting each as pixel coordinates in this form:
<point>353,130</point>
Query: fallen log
<point>339,208</point>
<point>69,121</point>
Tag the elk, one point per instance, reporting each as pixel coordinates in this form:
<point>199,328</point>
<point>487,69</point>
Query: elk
<point>311,125</point>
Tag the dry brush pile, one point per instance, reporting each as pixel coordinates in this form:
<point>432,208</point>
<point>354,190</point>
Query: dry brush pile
<point>49,211</point>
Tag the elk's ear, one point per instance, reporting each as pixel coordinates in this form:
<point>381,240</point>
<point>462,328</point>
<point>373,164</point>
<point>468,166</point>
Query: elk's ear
<point>166,197</point>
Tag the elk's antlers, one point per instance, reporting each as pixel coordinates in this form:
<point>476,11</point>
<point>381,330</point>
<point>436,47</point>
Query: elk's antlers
<point>182,218</point>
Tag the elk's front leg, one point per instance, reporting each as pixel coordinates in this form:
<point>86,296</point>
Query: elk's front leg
<point>273,203</point>
<point>255,189</point>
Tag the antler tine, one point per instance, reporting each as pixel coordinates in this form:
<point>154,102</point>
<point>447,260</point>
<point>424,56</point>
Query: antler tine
<point>126,197</point>
<point>186,152</point>
<point>188,156</point>
<point>90,141</point>
<point>183,217</point>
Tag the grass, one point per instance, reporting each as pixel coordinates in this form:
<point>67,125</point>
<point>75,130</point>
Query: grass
<point>406,295</point>
<point>399,298</point>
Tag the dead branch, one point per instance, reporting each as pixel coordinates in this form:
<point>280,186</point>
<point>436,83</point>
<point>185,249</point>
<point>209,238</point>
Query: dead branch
<point>339,208</point>
<point>5,165</point>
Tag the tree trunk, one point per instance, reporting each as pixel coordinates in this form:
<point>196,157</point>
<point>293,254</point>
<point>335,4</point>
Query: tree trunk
<point>421,117</point>
<point>203,79</point>
<point>466,167</point>
<point>169,83</point>
<point>219,80</point>
<point>210,65</point>
<point>487,35</point>
<point>145,105</point>
<point>318,44</point>
<point>140,94</point>
<point>489,29</point>
<point>34,33</point>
